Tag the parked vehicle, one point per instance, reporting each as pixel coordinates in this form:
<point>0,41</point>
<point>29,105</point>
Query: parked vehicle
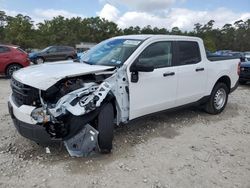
<point>12,58</point>
<point>247,55</point>
<point>120,79</point>
<point>240,55</point>
<point>213,55</point>
<point>80,56</point>
<point>53,53</point>
<point>223,52</point>
<point>244,72</point>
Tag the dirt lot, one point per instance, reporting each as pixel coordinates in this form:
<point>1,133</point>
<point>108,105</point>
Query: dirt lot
<point>188,148</point>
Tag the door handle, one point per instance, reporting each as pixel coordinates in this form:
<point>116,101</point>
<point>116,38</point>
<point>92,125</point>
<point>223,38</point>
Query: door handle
<point>199,69</point>
<point>169,74</point>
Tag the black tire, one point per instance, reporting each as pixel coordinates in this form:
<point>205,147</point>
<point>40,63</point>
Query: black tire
<point>11,69</point>
<point>242,82</point>
<point>39,60</point>
<point>210,106</point>
<point>105,126</point>
<point>69,58</point>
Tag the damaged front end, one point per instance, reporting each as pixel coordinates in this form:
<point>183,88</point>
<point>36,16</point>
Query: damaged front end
<point>68,109</point>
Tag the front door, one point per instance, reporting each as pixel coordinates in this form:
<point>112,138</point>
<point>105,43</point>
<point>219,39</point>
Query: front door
<point>154,91</point>
<point>51,54</point>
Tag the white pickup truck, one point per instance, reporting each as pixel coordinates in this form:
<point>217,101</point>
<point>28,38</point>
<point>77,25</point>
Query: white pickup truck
<point>118,80</point>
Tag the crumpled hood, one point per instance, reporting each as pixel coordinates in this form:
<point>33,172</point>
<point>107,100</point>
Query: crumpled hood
<point>46,75</point>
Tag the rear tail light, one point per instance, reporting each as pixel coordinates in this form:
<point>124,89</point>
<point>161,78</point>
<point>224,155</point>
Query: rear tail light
<point>238,71</point>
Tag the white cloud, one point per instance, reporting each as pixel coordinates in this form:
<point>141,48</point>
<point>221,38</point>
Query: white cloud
<point>175,17</point>
<point>109,12</point>
<point>51,13</point>
<point>39,15</point>
<point>144,5</point>
<point>13,12</point>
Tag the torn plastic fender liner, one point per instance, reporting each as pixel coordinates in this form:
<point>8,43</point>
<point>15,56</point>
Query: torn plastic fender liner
<point>84,143</point>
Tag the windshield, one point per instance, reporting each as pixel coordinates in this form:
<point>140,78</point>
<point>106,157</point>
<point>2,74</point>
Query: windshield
<point>45,49</point>
<point>113,52</point>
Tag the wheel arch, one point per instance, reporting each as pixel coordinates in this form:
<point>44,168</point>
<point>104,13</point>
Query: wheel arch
<point>69,56</point>
<point>13,63</point>
<point>226,80</point>
<point>41,57</point>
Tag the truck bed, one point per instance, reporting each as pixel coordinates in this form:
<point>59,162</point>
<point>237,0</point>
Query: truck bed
<point>221,58</point>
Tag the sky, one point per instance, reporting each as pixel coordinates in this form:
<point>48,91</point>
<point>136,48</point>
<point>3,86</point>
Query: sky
<point>157,13</point>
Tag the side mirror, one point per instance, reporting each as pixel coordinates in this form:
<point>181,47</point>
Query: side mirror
<point>140,67</point>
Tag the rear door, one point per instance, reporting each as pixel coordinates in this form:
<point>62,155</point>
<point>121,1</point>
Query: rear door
<point>192,72</point>
<point>155,91</point>
<point>62,52</point>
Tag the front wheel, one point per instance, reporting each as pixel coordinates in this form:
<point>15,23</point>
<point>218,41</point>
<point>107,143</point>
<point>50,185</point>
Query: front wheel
<point>105,126</point>
<point>218,99</point>
<point>69,58</point>
<point>39,60</point>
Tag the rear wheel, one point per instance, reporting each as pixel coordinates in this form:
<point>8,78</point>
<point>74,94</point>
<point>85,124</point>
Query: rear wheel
<point>105,126</point>
<point>69,58</point>
<point>218,99</point>
<point>11,69</point>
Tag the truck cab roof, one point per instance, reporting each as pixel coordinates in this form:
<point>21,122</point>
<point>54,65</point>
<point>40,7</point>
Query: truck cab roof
<point>145,37</point>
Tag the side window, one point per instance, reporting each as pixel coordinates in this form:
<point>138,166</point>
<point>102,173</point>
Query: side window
<point>189,53</point>
<point>52,50</point>
<point>158,54</point>
<point>62,49</point>
<point>4,49</point>
<point>69,49</point>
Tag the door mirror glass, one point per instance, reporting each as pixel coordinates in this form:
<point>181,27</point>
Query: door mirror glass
<point>140,67</point>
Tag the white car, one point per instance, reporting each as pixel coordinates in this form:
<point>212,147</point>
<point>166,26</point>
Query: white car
<point>119,80</point>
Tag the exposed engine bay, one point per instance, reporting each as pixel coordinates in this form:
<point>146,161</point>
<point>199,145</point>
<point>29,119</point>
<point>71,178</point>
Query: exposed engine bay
<point>68,108</point>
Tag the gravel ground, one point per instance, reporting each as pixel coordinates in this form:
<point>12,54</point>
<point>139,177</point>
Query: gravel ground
<point>187,148</point>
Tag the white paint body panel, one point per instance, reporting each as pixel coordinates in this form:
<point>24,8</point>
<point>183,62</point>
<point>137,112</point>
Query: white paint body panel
<point>152,93</point>
<point>46,75</point>
<point>23,112</point>
<point>191,84</point>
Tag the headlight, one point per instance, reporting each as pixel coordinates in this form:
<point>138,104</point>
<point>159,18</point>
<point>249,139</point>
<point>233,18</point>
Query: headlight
<point>40,115</point>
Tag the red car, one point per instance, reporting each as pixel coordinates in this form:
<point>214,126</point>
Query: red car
<point>12,58</point>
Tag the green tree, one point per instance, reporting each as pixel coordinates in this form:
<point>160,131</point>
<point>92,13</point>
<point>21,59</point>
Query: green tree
<point>19,30</point>
<point>3,19</point>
